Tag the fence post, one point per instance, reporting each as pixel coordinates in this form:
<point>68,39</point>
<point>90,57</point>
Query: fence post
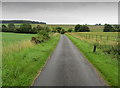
<point>94,49</point>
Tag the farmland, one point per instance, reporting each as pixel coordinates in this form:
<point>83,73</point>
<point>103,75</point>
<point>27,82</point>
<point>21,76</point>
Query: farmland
<point>105,62</point>
<point>22,60</point>
<point>93,28</point>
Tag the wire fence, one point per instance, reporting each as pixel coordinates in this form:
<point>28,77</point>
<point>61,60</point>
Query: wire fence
<point>103,39</point>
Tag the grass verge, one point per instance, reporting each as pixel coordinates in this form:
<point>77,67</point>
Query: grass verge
<point>107,66</point>
<point>21,67</point>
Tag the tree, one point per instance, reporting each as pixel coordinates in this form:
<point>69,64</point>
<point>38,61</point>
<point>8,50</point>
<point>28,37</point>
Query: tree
<point>62,31</point>
<point>108,28</point>
<point>70,30</point>
<point>84,28</point>
<point>77,28</point>
<point>117,28</point>
<point>25,28</point>
<point>4,28</point>
<point>59,29</point>
<point>11,27</point>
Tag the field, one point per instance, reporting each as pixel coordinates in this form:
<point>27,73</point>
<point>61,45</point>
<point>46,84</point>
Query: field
<point>107,64</point>
<point>22,60</point>
<point>109,38</point>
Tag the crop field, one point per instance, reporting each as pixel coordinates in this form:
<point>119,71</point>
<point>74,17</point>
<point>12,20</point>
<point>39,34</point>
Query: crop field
<point>22,60</point>
<point>110,38</point>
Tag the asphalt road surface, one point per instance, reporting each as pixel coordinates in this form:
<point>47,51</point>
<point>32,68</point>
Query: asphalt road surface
<point>67,67</point>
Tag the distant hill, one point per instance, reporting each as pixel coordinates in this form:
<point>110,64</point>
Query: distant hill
<point>20,21</point>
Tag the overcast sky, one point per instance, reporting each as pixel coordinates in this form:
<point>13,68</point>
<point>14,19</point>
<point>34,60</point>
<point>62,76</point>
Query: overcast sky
<point>62,12</point>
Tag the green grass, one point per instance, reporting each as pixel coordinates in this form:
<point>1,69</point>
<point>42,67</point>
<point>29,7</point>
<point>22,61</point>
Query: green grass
<point>11,38</point>
<point>106,65</point>
<point>20,67</point>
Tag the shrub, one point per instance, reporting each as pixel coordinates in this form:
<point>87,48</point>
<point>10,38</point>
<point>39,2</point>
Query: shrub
<point>108,28</point>
<point>70,30</point>
<point>59,29</point>
<point>62,31</point>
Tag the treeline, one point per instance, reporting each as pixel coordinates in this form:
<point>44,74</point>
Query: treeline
<point>107,28</point>
<point>111,28</point>
<point>24,28</point>
<point>20,21</point>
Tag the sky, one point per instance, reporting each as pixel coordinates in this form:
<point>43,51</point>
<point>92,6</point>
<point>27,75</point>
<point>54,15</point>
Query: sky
<point>62,12</point>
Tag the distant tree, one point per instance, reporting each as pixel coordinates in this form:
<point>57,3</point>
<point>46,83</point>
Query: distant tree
<point>38,28</point>
<point>84,28</point>
<point>59,29</point>
<point>70,30</point>
<point>108,28</point>
<point>99,24</point>
<point>4,28</point>
<point>77,28</point>
<point>117,28</point>
<point>11,27</point>
<point>25,28</point>
<point>62,31</point>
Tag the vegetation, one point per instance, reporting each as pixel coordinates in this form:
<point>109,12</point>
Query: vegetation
<point>20,21</point>
<point>20,63</point>
<point>106,41</point>
<point>82,28</point>
<point>108,28</point>
<point>107,66</point>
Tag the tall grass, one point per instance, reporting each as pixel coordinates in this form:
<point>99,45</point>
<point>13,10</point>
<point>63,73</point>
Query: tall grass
<point>21,66</point>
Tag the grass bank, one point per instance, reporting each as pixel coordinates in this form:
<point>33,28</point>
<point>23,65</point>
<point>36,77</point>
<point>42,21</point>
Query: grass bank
<point>107,66</point>
<point>21,67</point>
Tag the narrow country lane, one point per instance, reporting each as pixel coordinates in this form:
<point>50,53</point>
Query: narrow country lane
<point>67,67</point>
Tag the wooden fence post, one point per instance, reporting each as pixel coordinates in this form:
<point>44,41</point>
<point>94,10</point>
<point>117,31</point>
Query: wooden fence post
<point>94,49</point>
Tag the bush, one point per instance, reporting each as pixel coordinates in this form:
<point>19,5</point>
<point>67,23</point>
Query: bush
<point>82,28</point>
<point>70,30</point>
<point>62,31</point>
<point>59,29</point>
<point>108,28</point>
